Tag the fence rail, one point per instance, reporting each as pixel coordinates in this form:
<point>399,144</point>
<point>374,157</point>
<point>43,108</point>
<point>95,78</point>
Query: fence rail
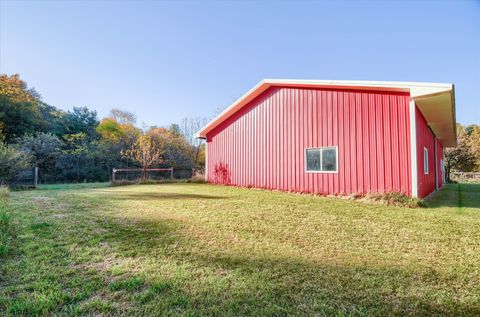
<point>466,176</point>
<point>140,173</point>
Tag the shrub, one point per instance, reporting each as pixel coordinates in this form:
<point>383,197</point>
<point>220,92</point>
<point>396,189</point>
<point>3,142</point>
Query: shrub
<point>12,161</point>
<point>197,179</point>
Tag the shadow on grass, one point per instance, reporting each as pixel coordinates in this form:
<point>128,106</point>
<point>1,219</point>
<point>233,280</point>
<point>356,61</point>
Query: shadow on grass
<point>128,195</point>
<point>252,284</point>
<point>73,186</point>
<point>456,195</point>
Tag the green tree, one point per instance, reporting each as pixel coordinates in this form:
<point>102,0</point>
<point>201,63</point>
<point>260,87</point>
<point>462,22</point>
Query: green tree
<point>175,130</point>
<point>18,108</point>
<point>54,120</point>
<point>76,148</point>
<point>83,120</point>
<point>42,148</point>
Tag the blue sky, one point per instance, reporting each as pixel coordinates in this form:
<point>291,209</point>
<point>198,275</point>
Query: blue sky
<point>168,60</point>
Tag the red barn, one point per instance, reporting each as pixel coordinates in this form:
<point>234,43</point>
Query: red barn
<point>334,137</point>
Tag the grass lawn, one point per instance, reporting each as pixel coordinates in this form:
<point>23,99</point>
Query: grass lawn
<point>198,249</point>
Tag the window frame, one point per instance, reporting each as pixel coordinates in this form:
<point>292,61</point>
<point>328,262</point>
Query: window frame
<point>321,148</point>
<point>426,166</point>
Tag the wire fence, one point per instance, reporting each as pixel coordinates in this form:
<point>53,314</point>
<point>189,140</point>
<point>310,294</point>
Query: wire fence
<point>152,174</point>
<point>27,178</point>
<point>33,177</point>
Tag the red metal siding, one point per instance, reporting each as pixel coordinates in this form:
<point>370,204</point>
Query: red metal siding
<point>263,144</point>
<point>425,139</point>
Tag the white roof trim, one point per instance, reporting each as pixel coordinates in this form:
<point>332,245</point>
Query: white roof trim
<point>420,92</point>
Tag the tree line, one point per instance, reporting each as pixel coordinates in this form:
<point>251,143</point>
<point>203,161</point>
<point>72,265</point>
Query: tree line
<point>466,156</point>
<point>77,146</point>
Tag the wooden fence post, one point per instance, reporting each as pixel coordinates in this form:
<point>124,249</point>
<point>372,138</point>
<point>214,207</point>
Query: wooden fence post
<point>35,177</point>
<point>171,173</point>
<point>113,175</point>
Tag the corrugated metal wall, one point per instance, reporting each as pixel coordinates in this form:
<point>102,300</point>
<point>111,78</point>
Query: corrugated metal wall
<point>263,145</point>
<point>425,139</point>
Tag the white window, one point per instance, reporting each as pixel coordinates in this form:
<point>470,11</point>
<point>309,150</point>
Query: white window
<point>425,160</point>
<point>324,159</point>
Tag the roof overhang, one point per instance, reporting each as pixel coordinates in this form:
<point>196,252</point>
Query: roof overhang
<point>436,101</point>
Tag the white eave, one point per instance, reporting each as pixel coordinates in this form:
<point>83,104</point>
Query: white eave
<point>436,101</point>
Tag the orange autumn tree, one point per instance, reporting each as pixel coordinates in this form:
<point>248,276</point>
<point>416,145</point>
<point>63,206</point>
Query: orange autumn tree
<point>144,152</point>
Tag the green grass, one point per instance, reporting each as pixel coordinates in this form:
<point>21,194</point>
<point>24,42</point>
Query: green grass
<point>73,186</point>
<point>199,249</point>
<point>5,226</point>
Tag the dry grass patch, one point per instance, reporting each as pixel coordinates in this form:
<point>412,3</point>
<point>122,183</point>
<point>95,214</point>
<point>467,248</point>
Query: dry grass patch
<point>394,199</point>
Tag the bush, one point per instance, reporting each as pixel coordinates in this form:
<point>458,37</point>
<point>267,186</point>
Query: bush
<point>12,161</point>
<point>395,199</point>
<point>197,180</point>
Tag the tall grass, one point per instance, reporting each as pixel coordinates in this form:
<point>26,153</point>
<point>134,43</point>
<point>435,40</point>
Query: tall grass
<point>5,230</point>
<point>394,199</point>
<point>3,192</point>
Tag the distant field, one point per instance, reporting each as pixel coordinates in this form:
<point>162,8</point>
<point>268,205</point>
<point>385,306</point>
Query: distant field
<point>198,249</point>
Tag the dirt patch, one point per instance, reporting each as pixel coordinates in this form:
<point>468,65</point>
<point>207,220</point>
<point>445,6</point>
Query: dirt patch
<point>106,264</point>
<point>59,216</point>
<point>99,230</point>
<point>41,198</point>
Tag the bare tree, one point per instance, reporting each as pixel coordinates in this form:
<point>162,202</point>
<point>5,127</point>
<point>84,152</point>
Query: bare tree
<point>122,116</point>
<point>144,152</point>
<point>190,126</point>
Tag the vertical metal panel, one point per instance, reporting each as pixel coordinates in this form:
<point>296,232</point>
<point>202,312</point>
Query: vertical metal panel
<point>425,139</point>
<point>263,145</point>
